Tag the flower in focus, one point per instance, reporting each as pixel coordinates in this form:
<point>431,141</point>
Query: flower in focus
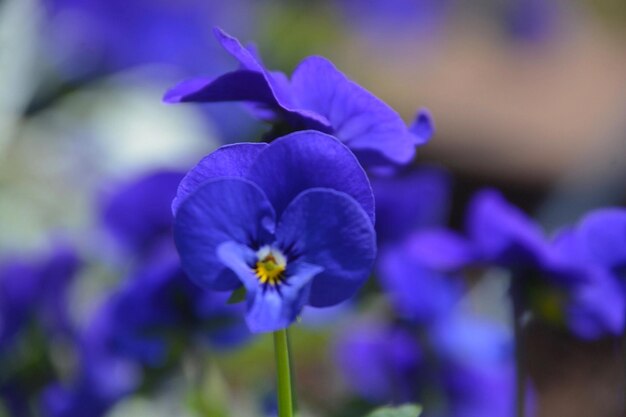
<point>319,97</point>
<point>291,222</point>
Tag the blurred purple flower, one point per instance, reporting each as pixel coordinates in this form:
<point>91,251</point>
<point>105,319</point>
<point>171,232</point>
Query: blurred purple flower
<point>33,317</point>
<point>36,290</point>
<point>96,36</point>
<point>585,293</point>
<point>420,285</point>
<point>388,18</point>
<point>411,201</point>
<point>157,310</point>
<point>381,363</point>
<point>531,20</point>
<point>291,221</point>
<point>138,214</point>
<point>460,367</point>
<point>319,97</point>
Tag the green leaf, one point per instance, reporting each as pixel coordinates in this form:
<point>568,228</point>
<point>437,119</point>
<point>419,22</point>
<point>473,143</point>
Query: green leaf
<point>408,410</point>
<point>238,295</point>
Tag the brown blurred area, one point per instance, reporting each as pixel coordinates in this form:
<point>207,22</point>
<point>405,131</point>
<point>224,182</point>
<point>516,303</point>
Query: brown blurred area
<point>574,378</point>
<point>522,112</point>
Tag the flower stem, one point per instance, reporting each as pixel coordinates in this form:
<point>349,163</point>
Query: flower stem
<point>520,357</point>
<point>283,373</point>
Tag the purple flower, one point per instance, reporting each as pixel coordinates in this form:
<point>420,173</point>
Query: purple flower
<point>33,317</point>
<point>545,272</point>
<point>460,367</point>
<point>101,35</point>
<point>598,305</point>
<point>531,20</point>
<point>411,201</point>
<point>380,362</point>
<point>36,289</point>
<point>603,235</point>
<point>138,214</point>
<point>291,221</point>
<point>421,276</point>
<point>319,97</point>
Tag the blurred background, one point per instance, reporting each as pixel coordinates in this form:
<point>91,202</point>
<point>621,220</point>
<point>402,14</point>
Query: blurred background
<point>528,96</point>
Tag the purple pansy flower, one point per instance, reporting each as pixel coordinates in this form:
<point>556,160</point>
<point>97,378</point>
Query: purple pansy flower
<point>422,274</point>
<point>138,214</point>
<point>37,289</point>
<point>33,309</point>
<point>112,35</point>
<point>410,201</point>
<point>603,235</point>
<point>380,362</point>
<point>504,236</point>
<point>291,221</point>
<point>318,96</point>
<point>159,307</point>
<point>460,367</point>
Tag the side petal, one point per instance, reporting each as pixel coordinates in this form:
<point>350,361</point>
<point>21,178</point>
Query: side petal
<point>269,308</point>
<point>220,210</point>
<point>603,234</point>
<point>358,118</point>
<point>329,228</point>
<point>596,307</point>
<point>241,85</point>
<point>227,161</point>
<point>503,233</point>
<point>410,202</point>
<point>441,250</point>
<point>309,159</point>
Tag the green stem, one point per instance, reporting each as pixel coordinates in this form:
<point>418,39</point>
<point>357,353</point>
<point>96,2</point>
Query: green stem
<point>283,374</point>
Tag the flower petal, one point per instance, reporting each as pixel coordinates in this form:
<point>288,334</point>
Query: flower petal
<point>410,202</point>
<point>596,307</point>
<point>603,234</point>
<point>227,161</point>
<point>269,308</point>
<point>417,292</point>
<point>329,228</point>
<point>218,211</point>
<point>241,85</point>
<point>503,233</point>
<point>309,159</point>
<point>137,215</point>
<point>358,118</point>
<point>441,250</point>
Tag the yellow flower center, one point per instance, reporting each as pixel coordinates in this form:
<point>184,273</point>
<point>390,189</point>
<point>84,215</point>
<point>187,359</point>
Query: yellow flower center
<point>270,266</point>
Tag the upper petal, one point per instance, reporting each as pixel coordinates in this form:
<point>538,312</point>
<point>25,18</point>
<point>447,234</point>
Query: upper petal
<point>329,228</point>
<point>357,117</point>
<point>227,161</point>
<point>308,159</point>
<point>218,211</point>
